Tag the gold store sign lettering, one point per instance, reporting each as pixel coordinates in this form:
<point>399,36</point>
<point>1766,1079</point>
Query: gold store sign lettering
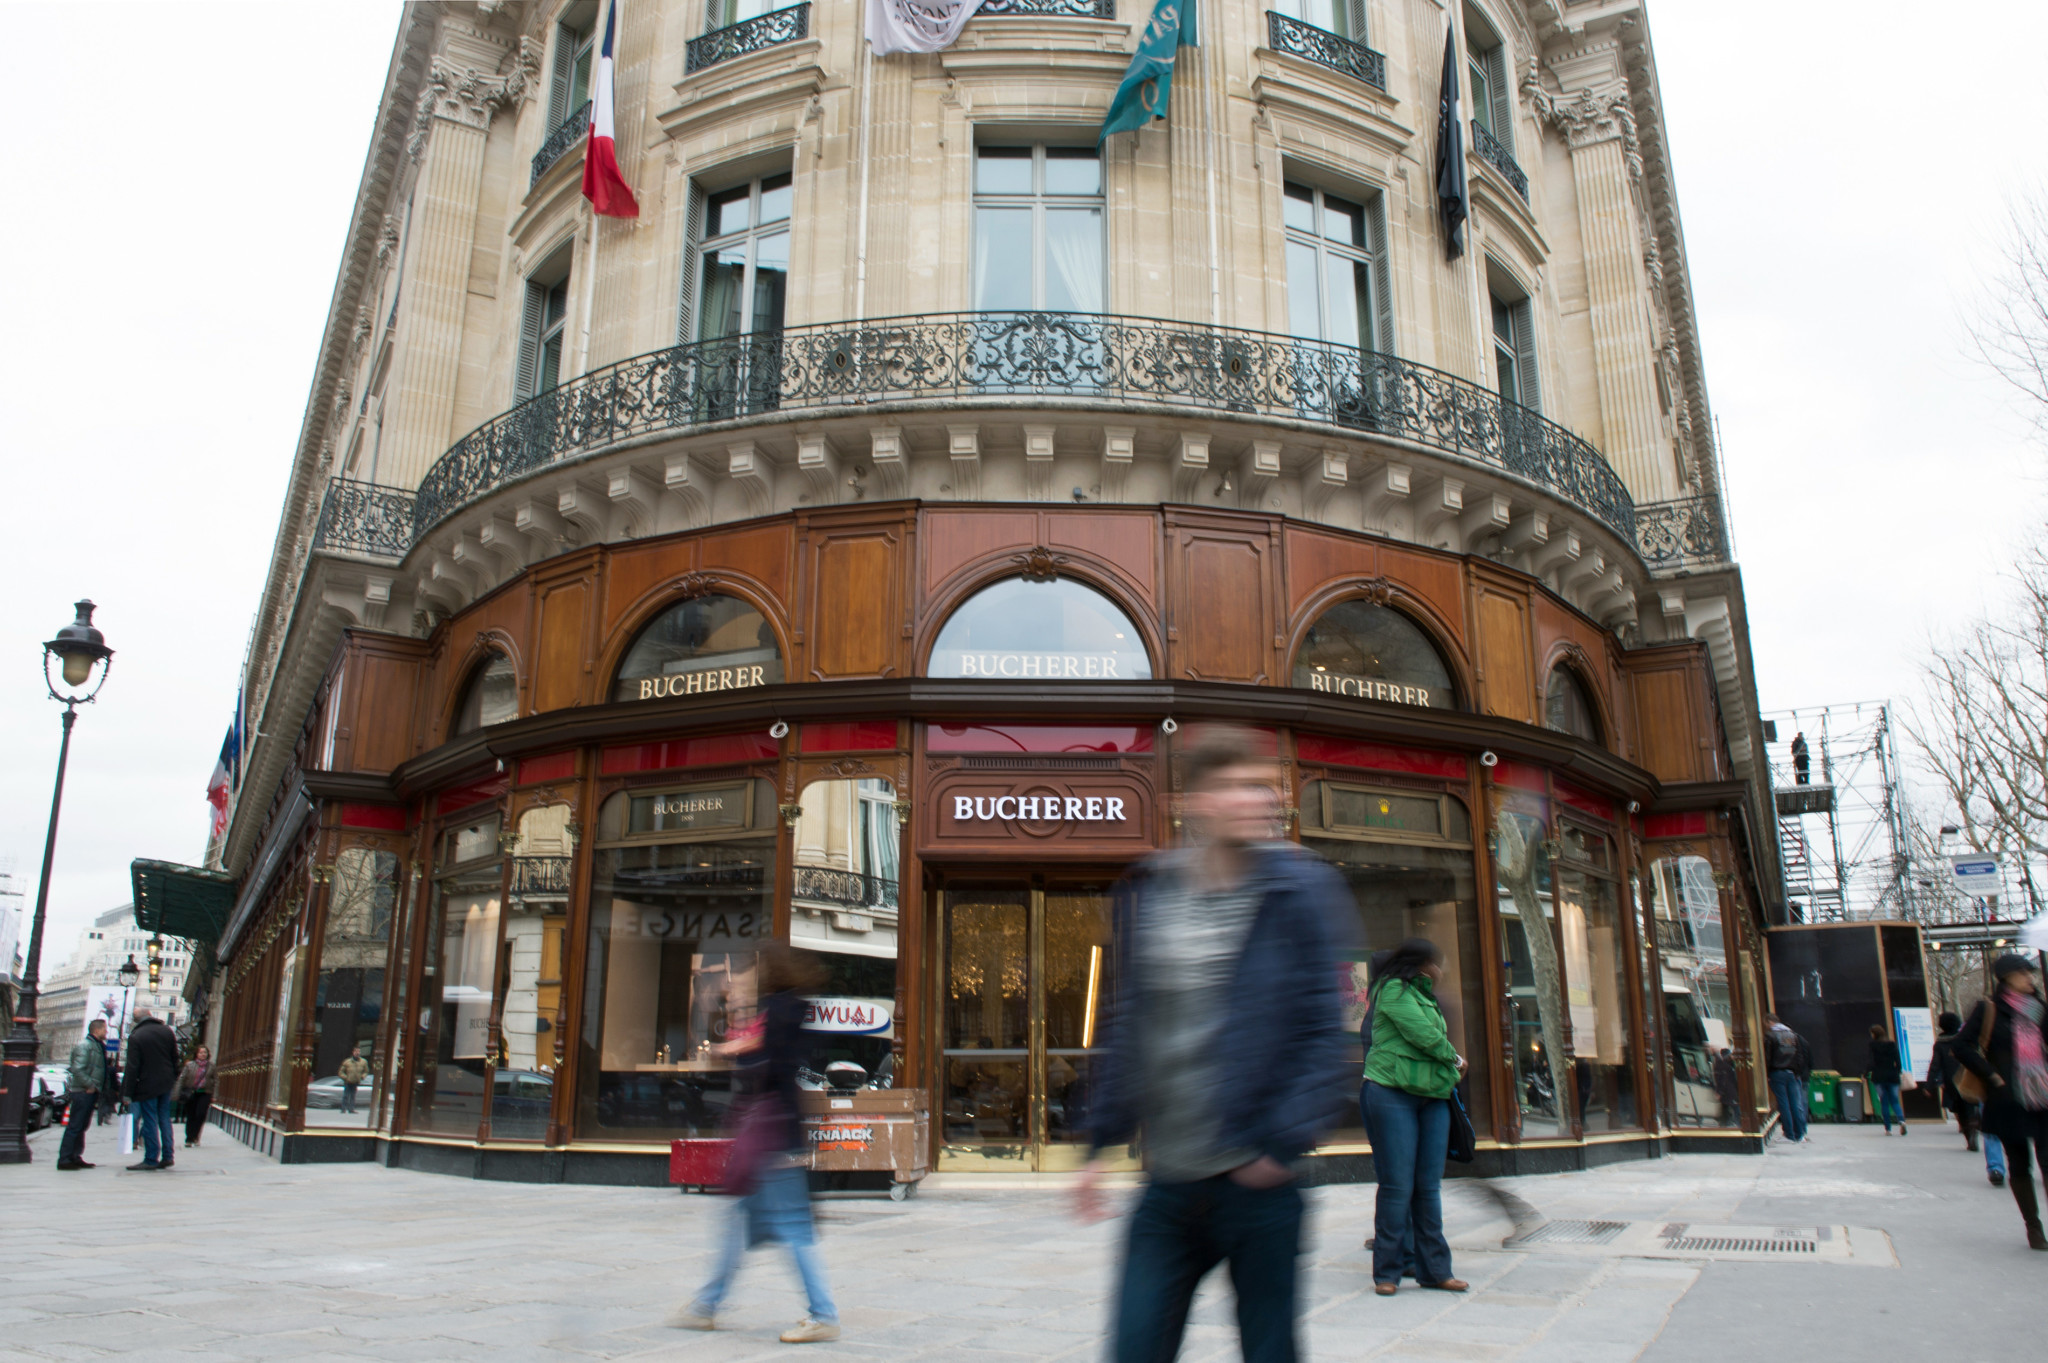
<point>1368,688</point>
<point>1038,808</point>
<point>697,683</point>
<point>1040,665</point>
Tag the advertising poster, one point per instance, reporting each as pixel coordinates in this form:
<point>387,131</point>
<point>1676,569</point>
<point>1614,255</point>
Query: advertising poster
<point>110,1002</point>
<point>1914,1027</point>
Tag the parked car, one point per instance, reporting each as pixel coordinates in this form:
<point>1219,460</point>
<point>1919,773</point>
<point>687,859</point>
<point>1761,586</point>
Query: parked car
<point>327,1092</point>
<point>45,1105</point>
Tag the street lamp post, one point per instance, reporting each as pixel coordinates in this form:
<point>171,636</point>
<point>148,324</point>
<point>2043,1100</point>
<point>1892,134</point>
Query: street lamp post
<point>80,651</point>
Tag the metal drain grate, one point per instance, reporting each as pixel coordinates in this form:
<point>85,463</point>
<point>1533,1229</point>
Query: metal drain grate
<point>1572,1233</point>
<point>1714,1244</point>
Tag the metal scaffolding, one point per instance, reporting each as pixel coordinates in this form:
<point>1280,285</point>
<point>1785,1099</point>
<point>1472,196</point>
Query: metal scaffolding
<point>1844,836</point>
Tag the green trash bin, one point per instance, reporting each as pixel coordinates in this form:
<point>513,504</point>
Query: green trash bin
<point>1824,1096</point>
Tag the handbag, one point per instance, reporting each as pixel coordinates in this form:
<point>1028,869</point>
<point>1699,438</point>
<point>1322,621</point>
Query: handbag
<point>753,1142</point>
<point>1970,1085</point>
<point>1463,1147</point>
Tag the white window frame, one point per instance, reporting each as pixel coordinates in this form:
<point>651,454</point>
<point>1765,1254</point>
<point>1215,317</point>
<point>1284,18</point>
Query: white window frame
<point>688,322</point>
<point>1376,329</point>
<point>537,329</point>
<point>1038,201</point>
<point>1487,67</point>
<point>1518,348</point>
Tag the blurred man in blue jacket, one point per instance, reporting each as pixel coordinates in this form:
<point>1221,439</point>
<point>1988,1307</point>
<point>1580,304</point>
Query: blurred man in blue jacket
<point>1225,1045</point>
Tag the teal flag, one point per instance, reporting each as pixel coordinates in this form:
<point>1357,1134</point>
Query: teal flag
<point>1148,84</point>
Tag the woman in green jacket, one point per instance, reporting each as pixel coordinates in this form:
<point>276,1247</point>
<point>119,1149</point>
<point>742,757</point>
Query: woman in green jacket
<point>1409,1074</point>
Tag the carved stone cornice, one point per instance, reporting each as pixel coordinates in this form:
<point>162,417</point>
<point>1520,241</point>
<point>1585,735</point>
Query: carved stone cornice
<point>1589,118</point>
<point>470,97</point>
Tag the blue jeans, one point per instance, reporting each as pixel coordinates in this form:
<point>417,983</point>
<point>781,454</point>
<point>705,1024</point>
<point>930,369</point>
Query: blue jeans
<point>153,1127</point>
<point>1182,1230</point>
<point>1994,1154</point>
<point>778,1208</point>
<point>78,1111</point>
<point>1415,1132</point>
<point>1791,1095</point>
<point>1887,1104</point>
<point>1372,1136</point>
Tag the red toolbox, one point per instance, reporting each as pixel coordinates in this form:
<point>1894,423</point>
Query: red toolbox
<point>699,1163</point>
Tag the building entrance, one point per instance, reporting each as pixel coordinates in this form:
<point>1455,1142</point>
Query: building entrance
<point>1026,970</point>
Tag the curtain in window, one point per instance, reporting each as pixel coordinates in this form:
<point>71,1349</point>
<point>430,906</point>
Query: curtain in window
<point>1002,235</point>
<point>1073,251</point>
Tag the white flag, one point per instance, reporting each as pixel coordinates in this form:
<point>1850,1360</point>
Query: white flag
<point>917,25</point>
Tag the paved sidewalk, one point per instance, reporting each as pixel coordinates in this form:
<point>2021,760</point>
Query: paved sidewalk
<point>231,1256</point>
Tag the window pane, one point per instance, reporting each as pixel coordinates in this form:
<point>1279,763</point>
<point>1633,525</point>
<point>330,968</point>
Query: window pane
<point>1298,205</point>
<point>1343,222</point>
<point>455,1004</point>
<point>1567,708</point>
<point>1535,976</point>
<point>493,695</point>
<point>771,281</point>
<point>986,964</point>
<point>1002,170</point>
<point>714,643</point>
<point>1073,259</point>
<point>349,995</point>
<point>1596,970</point>
<point>1019,628</point>
<point>724,276</point>
<point>1503,320</point>
<point>1002,255</point>
<point>1373,653</point>
<point>579,78</point>
<point>1072,170</point>
<point>1693,965</point>
<point>1348,308</point>
<point>550,363</point>
<point>729,211</point>
<point>1482,93</point>
<point>1505,375</point>
<point>556,305</point>
<point>777,193</point>
<point>1304,307</point>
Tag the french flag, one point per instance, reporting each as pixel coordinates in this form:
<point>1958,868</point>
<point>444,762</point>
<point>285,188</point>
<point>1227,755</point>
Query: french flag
<point>602,184</point>
<point>217,785</point>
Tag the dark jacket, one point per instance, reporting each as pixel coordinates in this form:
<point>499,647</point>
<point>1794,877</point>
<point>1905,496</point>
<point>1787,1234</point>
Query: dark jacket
<point>152,1061</point>
<point>1282,1042</point>
<point>88,1065</point>
<point>1884,1067</point>
<point>2003,1115</point>
<point>773,1068</point>
<point>1941,1072</point>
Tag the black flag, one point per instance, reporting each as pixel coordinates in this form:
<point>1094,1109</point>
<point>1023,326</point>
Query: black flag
<point>1452,202</point>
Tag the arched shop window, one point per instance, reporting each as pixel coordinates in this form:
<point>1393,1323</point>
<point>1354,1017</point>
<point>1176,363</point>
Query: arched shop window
<point>1373,652</point>
<point>682,895</point>
<point>492,697</point>
<point>1567,708</point>
<point>1031,629</point>
<point>1407,856</point>
<point>709,643</point>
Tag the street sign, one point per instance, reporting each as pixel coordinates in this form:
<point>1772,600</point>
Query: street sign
<point>1975,874</point>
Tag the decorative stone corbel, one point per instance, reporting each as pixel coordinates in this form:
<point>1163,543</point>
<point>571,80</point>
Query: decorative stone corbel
<point>685,485</point>
<point>749,471</point>
<point>542,525</point>
<point>387,239</point>
<point>1558,557</point>
<point>1119,449</point>
<point>886,456</point>
<point>1039,449</point>
<point>586,509</point>
<point>1484,515</point>
<point>503,539</point>
<point>818,461</point>
<point>469,552</point>
<point>1438,511</point>
<point>1323,480</point>
<point>1190,465</point>
<point>963,447</point>
<point>1386,492</point>
<point>376,599</point>
<point>1527,533</point>
<point>1256,472</point>
<point>635,495</point>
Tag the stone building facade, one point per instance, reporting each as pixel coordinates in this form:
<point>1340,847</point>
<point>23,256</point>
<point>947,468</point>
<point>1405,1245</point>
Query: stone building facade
<point>827,551</point>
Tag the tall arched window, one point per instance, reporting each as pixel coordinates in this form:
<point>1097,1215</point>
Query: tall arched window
<point>492,697</point>
<point>709,643</point>
<point>1373,652</point>
<point>1025,628</point>
<point>1567,708</point>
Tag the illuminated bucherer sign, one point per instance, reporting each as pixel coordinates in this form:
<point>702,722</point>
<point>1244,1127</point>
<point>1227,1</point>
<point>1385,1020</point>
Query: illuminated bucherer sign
<point>696,683</point>
<point>1368,688</point>
<point>1038,665</point>
<point>1039,808</point>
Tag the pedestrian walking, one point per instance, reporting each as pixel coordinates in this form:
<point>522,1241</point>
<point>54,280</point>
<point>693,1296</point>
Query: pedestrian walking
<point>151,1075</point>
<point>2001,1045</point>
<point>1787,1059</point>
<point>195,1090</point>
<point>1224,1044</point>
<point>1885,1073</point>
<point>1941,1074</point>
<point>1726,1086</point>
<point>353,1071</point>
<point>1409,1075</point>
<point>765,1166</point>
<point>88,1066</point>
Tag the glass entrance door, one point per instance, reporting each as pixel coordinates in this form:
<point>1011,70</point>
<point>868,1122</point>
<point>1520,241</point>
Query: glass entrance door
<point>1026,972</point>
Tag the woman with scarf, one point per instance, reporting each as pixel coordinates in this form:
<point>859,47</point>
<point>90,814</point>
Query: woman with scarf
<point>195,1087</point>
<point>2002,1044</point>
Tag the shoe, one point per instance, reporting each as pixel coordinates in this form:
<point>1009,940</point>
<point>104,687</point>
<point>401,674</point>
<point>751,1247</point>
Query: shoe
<point>690,1318</point>
<point>1902,1128</point>
<point>1447,1285</point>
<point>1385,1289</point>
<point>85,1164</point>
<point>65,1166</point>
<point>143,1167</point>
<point>808,1331</point>
<point>1997,1178</point>
<point>2035,1239</point>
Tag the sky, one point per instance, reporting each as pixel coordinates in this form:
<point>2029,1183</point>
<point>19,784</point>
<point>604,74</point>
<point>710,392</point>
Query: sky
<point>1842,179</point>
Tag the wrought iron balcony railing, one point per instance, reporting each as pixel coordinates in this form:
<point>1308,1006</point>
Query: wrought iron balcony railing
<point>1683,534</point>
<point>847,889</point>
<point>1325,48</point>
<point>365,518</point>
<point>749,35</point>
<point>1046,357</point>
<point>1500,158</point>
<point>566,135</point>
<point>541,876</point>
<point>1058,9</point>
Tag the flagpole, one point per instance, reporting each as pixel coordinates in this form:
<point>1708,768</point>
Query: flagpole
<point>860,257</point>
<point>1482,322</point>
<point>1211,78</point>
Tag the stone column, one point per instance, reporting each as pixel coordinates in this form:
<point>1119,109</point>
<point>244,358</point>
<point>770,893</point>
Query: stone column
<point>448,137</point>
<point>1600,130</point>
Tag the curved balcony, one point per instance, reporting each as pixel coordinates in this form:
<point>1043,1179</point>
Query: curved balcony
<point>1039,357</point>
<point>567,136</point>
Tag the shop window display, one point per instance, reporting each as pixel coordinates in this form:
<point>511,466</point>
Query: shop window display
<point>348,997</point>
<point>985,1028</point>
<point>1596,979</point>
<point>1053,628</point>
<point>843,906</point>
<point>682,895</point>
<point>1373,653</point>
<point>458,982</point>
<point>1407,857</point>
<point>706,644</point>
<point>1685,911</point>
<point>536,923</point>
<point>1528,911</point>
